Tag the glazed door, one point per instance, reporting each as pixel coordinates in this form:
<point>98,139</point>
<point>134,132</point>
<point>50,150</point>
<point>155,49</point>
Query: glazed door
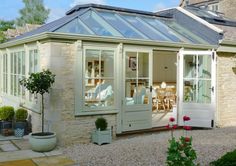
<point>196,76</point>
<point>137,87</point>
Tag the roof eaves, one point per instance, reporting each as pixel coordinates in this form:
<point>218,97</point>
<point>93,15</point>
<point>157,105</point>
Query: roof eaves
<point>199,19</point>
<point>66,36</point>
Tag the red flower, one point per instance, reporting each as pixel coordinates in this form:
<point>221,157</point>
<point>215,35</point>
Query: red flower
<point>172,119</point>
<point>187,127</point>
<point>168,126</point>
<point>174,126</point>
<point>187,139</point>
<point>186,118</point>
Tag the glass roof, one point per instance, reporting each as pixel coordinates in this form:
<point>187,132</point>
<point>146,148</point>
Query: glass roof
<point>104,22</point>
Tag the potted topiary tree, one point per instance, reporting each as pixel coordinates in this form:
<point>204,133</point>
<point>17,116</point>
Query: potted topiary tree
<point>40,83</point>
<point>6,117</point>
<point>20,122</point>
<point>101,134</point>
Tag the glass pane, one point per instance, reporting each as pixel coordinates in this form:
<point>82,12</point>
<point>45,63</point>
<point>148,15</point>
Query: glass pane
<point>73,27</point>
<point>15,88</point>
<point>143,91</point>
<point>143,66</point>
<point>184,32</point>
<point>100,96</point>
<point>31,63</point>
<point>12,62</point>
<point>88,19</point>
<point>162,28</point>
<point>23,63</point>
<point>190,91</point>
<point>155,35</point>
<point>19,57</point>
<point>15,62</point>
<point>204,91</point>
<point>130,89</point>
<point>136,91</point>
<point>12,84</point>
<point>92,63</point>
<point>190,66</point>
<point>131,65</point>
<point>107,63</point>
<point>35,60</point>
<point>120,25</point>
<point>204,66</point>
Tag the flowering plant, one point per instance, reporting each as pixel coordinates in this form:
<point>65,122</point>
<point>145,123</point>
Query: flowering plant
<point>180,152</point>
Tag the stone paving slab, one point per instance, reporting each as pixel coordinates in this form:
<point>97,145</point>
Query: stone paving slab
<point>18,163</point>
<point>19,155</point>
<point>54,160</point>
<point>8,147</point>
<point>23,144</point>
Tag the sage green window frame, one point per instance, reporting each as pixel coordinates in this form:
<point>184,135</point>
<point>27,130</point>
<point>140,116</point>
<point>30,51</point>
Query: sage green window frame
<point>81,109</point>
<point>5,73</point>
<point>17,72</point>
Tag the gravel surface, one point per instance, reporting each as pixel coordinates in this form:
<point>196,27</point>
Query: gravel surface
<point>150,149</point>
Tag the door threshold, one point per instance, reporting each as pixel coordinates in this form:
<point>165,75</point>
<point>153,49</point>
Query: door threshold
<point>142,131</point>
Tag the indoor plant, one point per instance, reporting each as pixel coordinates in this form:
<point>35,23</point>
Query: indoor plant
<point>101,134</point>
<point>6,117</point>
<point>20,122</point>
<point>40,83</point>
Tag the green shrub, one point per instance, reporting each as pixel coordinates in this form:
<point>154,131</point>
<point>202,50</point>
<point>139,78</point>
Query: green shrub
<point>21,114</point>
<point>101,123</point>
<point>6,113</point>
<point>229,159</point>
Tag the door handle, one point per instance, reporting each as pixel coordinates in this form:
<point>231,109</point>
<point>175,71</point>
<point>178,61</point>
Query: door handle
<point>212,89</point>
<point>150,88</point>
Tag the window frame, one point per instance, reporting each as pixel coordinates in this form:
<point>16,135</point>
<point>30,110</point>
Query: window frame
<point>81,109</point>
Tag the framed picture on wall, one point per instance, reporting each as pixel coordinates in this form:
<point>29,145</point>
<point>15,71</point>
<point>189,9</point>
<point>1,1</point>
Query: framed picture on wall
<point>133,63</point>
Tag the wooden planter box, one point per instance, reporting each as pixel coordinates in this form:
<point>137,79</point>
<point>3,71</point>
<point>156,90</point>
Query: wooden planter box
<point>101,137</point>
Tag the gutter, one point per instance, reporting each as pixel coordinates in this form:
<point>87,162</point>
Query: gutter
<point>75,37</point>
<point>227,46</point>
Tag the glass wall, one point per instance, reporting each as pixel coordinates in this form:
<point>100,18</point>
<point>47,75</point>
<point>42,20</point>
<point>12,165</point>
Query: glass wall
<point>99,78</point>
<point>17,72</point>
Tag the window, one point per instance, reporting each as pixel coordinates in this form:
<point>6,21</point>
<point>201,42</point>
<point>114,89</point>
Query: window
<point>99,78</point>
<point>17,73</point>
<point>33,65</point>
<point>5,73</point>
<point>197,79</point>
<point>33,61</point>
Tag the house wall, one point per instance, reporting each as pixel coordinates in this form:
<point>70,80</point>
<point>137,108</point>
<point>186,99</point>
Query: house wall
<point>60,58</point>
<point>226,90</point>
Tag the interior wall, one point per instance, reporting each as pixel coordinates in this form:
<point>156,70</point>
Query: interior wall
<point>164,66</point>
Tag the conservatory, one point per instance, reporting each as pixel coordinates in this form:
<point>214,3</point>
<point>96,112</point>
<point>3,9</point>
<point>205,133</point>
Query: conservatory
<point>133,67</point>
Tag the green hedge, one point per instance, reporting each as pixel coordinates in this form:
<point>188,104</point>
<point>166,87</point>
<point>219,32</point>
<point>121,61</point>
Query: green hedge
<point>21,114</point>
<point>229,159</point>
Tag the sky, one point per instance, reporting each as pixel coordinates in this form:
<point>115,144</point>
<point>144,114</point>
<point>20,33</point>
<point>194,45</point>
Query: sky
<point>9,8</point>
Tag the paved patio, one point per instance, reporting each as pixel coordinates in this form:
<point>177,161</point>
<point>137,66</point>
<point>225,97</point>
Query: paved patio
<point>16,152</point>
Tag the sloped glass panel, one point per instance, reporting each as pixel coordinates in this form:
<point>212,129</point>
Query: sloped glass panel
<point>144,28</point>
<point>90,20</point>
<point>162,28</point>
<point>184,32</point>
<point>73,27</point>
<point>119,25</point>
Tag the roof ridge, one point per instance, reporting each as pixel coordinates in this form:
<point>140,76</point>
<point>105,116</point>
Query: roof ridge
<point>107,7</point>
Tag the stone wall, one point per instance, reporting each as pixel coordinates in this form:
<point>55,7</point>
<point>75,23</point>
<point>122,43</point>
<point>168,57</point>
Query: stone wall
<point>228,7</point>
<point>226,86</point>
<point>60,58</point>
